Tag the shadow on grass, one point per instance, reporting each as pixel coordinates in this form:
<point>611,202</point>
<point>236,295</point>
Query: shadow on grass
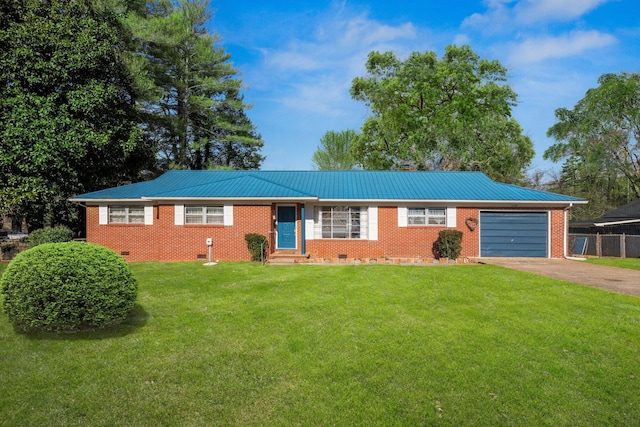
<point>136,319</point>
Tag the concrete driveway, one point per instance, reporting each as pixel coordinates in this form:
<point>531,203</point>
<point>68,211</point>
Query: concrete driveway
<point>622,280</point>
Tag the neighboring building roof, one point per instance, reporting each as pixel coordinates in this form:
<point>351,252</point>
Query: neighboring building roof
<point>325,186</point>
<point>625,215</point>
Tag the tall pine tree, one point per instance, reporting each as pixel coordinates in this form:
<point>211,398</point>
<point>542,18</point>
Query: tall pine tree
<point>195,113</point>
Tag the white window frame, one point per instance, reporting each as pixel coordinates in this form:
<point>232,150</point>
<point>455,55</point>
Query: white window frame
<point>354,227</point>
<point>450,216</point>
<point>207,215</point>
<point>179,214</point>
<point>127,216</point>
<point>424,216</point>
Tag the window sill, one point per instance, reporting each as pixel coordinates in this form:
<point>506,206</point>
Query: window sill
<point>340,239</point>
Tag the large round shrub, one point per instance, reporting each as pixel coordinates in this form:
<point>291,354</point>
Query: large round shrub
<point>67,287</point>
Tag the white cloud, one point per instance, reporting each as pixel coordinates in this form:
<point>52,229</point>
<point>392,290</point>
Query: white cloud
<point>291,60</point>
<point>496,18</point>
<point>325,96</point>
<point>361,31</point>
<point>568,45</point>
<point>506,15</point>
<point>534,11</point>
<point>461,39</point>
<point>339,40</point>
<point>314,74</point>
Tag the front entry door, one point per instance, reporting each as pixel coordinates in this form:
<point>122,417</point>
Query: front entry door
<point>286,227</point>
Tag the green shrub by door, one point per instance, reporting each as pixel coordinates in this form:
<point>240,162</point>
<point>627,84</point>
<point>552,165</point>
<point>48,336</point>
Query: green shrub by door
<point>257,245</point>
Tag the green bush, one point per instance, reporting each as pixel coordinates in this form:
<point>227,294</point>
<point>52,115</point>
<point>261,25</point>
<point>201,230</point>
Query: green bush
<point>257,244</point>
<point>449,244</point>
<point>67,287</point>
<point>50,235</point>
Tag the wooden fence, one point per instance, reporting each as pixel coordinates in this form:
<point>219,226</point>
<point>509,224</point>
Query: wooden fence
<point>605,245</point>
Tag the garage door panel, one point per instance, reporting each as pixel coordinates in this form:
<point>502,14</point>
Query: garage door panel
<point>513,253</point>
<point>520,224</point>
<point>528,240</point>
<point>514,234</point>
<point>502,219</point>
<point>505,232</point>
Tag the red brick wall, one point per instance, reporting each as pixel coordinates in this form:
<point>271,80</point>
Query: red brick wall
<point>418,241</point>
<point>165,241</point>
<point>558,233</point>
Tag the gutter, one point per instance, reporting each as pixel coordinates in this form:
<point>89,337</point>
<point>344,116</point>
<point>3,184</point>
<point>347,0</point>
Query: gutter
<point>81,200</point>
<point>229,199</point>
<point>194,199</point>
<point>459,202</point>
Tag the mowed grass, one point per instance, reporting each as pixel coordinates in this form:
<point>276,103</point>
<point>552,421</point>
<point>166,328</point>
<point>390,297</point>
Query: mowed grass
<point>633,263</point>
<point>242,344</point>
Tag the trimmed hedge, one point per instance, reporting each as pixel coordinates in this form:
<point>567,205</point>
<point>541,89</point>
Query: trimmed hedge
<point>49,235</point>
<point>67,287</point>
<point>257,245</point>
<point>449,244</point>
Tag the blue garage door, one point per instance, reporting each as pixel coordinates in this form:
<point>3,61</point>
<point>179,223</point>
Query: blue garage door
<point>514,234</point>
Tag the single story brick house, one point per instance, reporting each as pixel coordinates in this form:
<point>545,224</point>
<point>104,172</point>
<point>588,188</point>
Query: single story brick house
<point>325,216</point>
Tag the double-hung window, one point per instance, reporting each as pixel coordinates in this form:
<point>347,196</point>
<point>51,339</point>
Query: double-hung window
<point>341,222</point>
<point>426,216</point>
<point>204,215</point>
<point>126,214</point>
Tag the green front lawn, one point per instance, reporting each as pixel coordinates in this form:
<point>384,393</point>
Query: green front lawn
<point>242,344</point>
<point>633,263</point>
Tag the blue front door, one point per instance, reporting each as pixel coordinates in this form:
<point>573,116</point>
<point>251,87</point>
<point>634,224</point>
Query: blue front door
<point>286,227</point>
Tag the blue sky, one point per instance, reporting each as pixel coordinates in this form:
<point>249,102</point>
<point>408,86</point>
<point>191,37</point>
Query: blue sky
<point>297,58</point>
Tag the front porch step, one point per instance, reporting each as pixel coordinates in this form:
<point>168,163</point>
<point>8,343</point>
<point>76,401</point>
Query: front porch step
<point>286,257</point>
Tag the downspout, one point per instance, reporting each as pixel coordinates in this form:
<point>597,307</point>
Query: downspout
<point>303,245</point>
<point>566,235</point>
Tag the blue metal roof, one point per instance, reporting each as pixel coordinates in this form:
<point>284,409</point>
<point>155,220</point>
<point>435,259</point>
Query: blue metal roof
<point>326,185</point>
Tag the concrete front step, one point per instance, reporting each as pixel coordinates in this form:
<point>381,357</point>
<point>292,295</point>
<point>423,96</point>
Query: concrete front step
<point>287,258</point>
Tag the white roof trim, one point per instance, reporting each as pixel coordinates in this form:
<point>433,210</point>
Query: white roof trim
<point>80,200</point>
<point>514,203</point>
<point>266,199</point>
<point>627,221</point>
<point>461,201</point>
